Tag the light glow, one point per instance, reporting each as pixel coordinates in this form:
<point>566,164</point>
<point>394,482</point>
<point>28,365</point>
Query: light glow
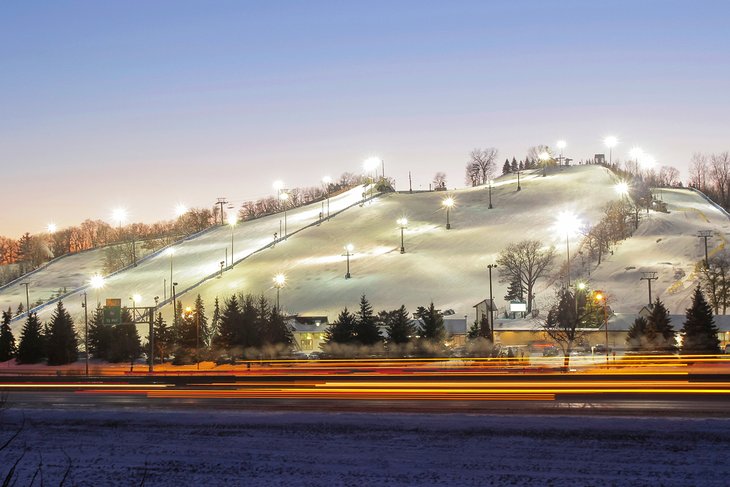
<point>544,156</point>
<point>97,281</point>
<point>51,228</point>
<point>279,280</point>
<point>622,188</point>
<point>180,210</point>
<point>349,247</point>
<point>232,219</point>
<point>610,141</point>
<point>561,144</point>
<point>119,215</point>
<point>327,180</point>
<point>371,163</point>
<point>403,221</point>
<point>278,185</point>
<point>567,223</point>
<point>448,202</point>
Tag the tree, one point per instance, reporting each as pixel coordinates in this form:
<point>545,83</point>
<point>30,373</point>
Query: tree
<point>568,320</point>
<point>636,336</point>
<point>214,321</point>
<point>699,331</point>
<point>473,173</point>
<point>506,168</point>
<point>432,323</point>
<point>229,323</point>
<point>279,332</point>
<point>32,345</point>
<point>515,291</point>
<point>485,161</point>
<point>61,341</point>
<point>439,181</point>
<point>8,349</point>
<point>202,322</point>
<point>100,336</point>
<point>398,325</point>
<point>342,330</point>
<point>715,279</point>
<point>514,166</point>
<point>126,344</point>
<point>163,338</point>
<point>526,261</point>
<point>366,326</point>
<point>660,332</point>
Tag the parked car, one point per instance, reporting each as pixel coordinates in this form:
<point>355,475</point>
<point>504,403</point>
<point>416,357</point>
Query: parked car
<point>550,352</point>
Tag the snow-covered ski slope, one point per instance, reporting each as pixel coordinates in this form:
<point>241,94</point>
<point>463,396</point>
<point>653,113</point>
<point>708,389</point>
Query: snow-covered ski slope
<point>193,261</point>
<point>446,266</point>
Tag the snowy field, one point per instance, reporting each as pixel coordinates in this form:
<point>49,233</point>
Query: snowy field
<point>156,448</point>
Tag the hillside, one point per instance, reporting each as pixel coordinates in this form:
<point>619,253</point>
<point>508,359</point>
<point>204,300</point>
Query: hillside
<point>446,266</point>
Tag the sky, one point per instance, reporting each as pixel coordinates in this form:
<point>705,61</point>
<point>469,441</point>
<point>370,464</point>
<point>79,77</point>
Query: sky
<point>146,104</point>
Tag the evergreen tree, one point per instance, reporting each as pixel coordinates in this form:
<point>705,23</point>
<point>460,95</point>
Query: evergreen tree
<point>163,338</point>
<point>432,327</point>
<point>474,331</point>
<point>366,324</point>
<point>7,340</point>
<point>342,330</point>
<point>187,333</point>
<point>61,340</point>
<point>514,166</point>
<point>398,325</point>
<point>515,291</point>
<point>252,328</point>
<point>279,331</point>
<point>636,336</point>
<point>126,345</point>
<point>660,322</point>
<point>521,166</point>
<point>20,309</point>
<point>100,336</point>
<point>229,322</point>
<point>699,330</point>
<point>202,322</point>
<point>506,169</point>
<point>263,323</point>
<point>214,321</point>
<point>31,349</point>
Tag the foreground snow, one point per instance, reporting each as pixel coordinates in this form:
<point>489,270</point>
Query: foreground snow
<point>147,447</point>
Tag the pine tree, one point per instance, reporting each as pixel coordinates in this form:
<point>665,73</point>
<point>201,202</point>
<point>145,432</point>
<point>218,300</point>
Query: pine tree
<point>342,330</point>
<point>32,347</point>
<point>163,338</point>
<point>7,340</point>
<point>229,322</point>
<point>521,166</point>
<point>202,322</point>
<point>659,320</point>
<point>515,291</point>
<point>61,340</point>
<point>699,330</point>
<point>398,325</point>
<point>100,336</point>
<point>432,328</point>
<point>474,331</point>
<point>251,329</point>
<point>279,331</point>
<point>126,345</point>
<point>214,321</point>
<point>506,169</point>
<point>366,325</point>
<point>514,166</point>
<point>20,309</point>
<point>636,336</point>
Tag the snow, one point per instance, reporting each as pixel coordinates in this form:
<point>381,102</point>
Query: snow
<point>446,266</point>
<point>195,447</point>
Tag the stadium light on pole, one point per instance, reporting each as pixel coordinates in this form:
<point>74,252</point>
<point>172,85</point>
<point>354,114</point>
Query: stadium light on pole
<point>326,181</point>
<point>97,282</point>
<point>448,203</point>
<point>567,224</point>
<point>561,145</point>
<point>610,142</point>
<point>544,156</point>
<point>232,220</point>
<point>279,282</point>
<point>51,228</point>
<point>284,198</point>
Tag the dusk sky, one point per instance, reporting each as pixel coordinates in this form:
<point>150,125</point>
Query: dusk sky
<point>144,104</point>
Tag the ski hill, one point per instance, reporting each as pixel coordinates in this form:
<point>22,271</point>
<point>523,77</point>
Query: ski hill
<point>448,267</point>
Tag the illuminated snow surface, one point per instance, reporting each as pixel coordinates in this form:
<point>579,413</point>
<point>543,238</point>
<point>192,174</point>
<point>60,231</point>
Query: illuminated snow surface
<point>312,449</point>
<point>446,266</point>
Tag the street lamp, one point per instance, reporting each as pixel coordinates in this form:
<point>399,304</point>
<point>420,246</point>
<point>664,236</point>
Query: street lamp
<point>610,142</point>
<point>490,193</point>
<point>600,297</point>
<point>519,188</point>
<point>561,145</point>
<point>326,181</point>
<point>232,220</point>
<point>171,253</point>
<point>448,203</point>
<point>567,223</point>
<point>279,282</point>
<point>544,156</point>
<point>403,223</point>
<point>97,282</point>
<point>348,252</point>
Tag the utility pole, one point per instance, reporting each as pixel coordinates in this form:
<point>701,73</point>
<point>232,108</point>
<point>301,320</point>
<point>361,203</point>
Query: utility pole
<point>410,183</point>
<point>705,234</point>
<point>648,277</point>
<point>86,333</point>
<point>491,303</point>
<point>221,202</point>
<point>27,297</point>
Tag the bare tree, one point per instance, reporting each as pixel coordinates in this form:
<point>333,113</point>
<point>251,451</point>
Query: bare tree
<point>720,176</point>
<point>698,169</point>
<point>569,320</point>
<point>485,160</point>
<point>533,153</point>
<point>715,279</point>
<point>472,173</point>
<point>439,181</point>
<point>525,261</point>
<point>668,176</point>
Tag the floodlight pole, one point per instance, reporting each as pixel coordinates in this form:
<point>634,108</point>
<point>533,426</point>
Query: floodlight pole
<point>86,333</point>
<point>519,188</point>
<point>648,277</point>
<point>705,234</point>
<point>27,297</point>
<point>490,194</point>
<point>491,303</point>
